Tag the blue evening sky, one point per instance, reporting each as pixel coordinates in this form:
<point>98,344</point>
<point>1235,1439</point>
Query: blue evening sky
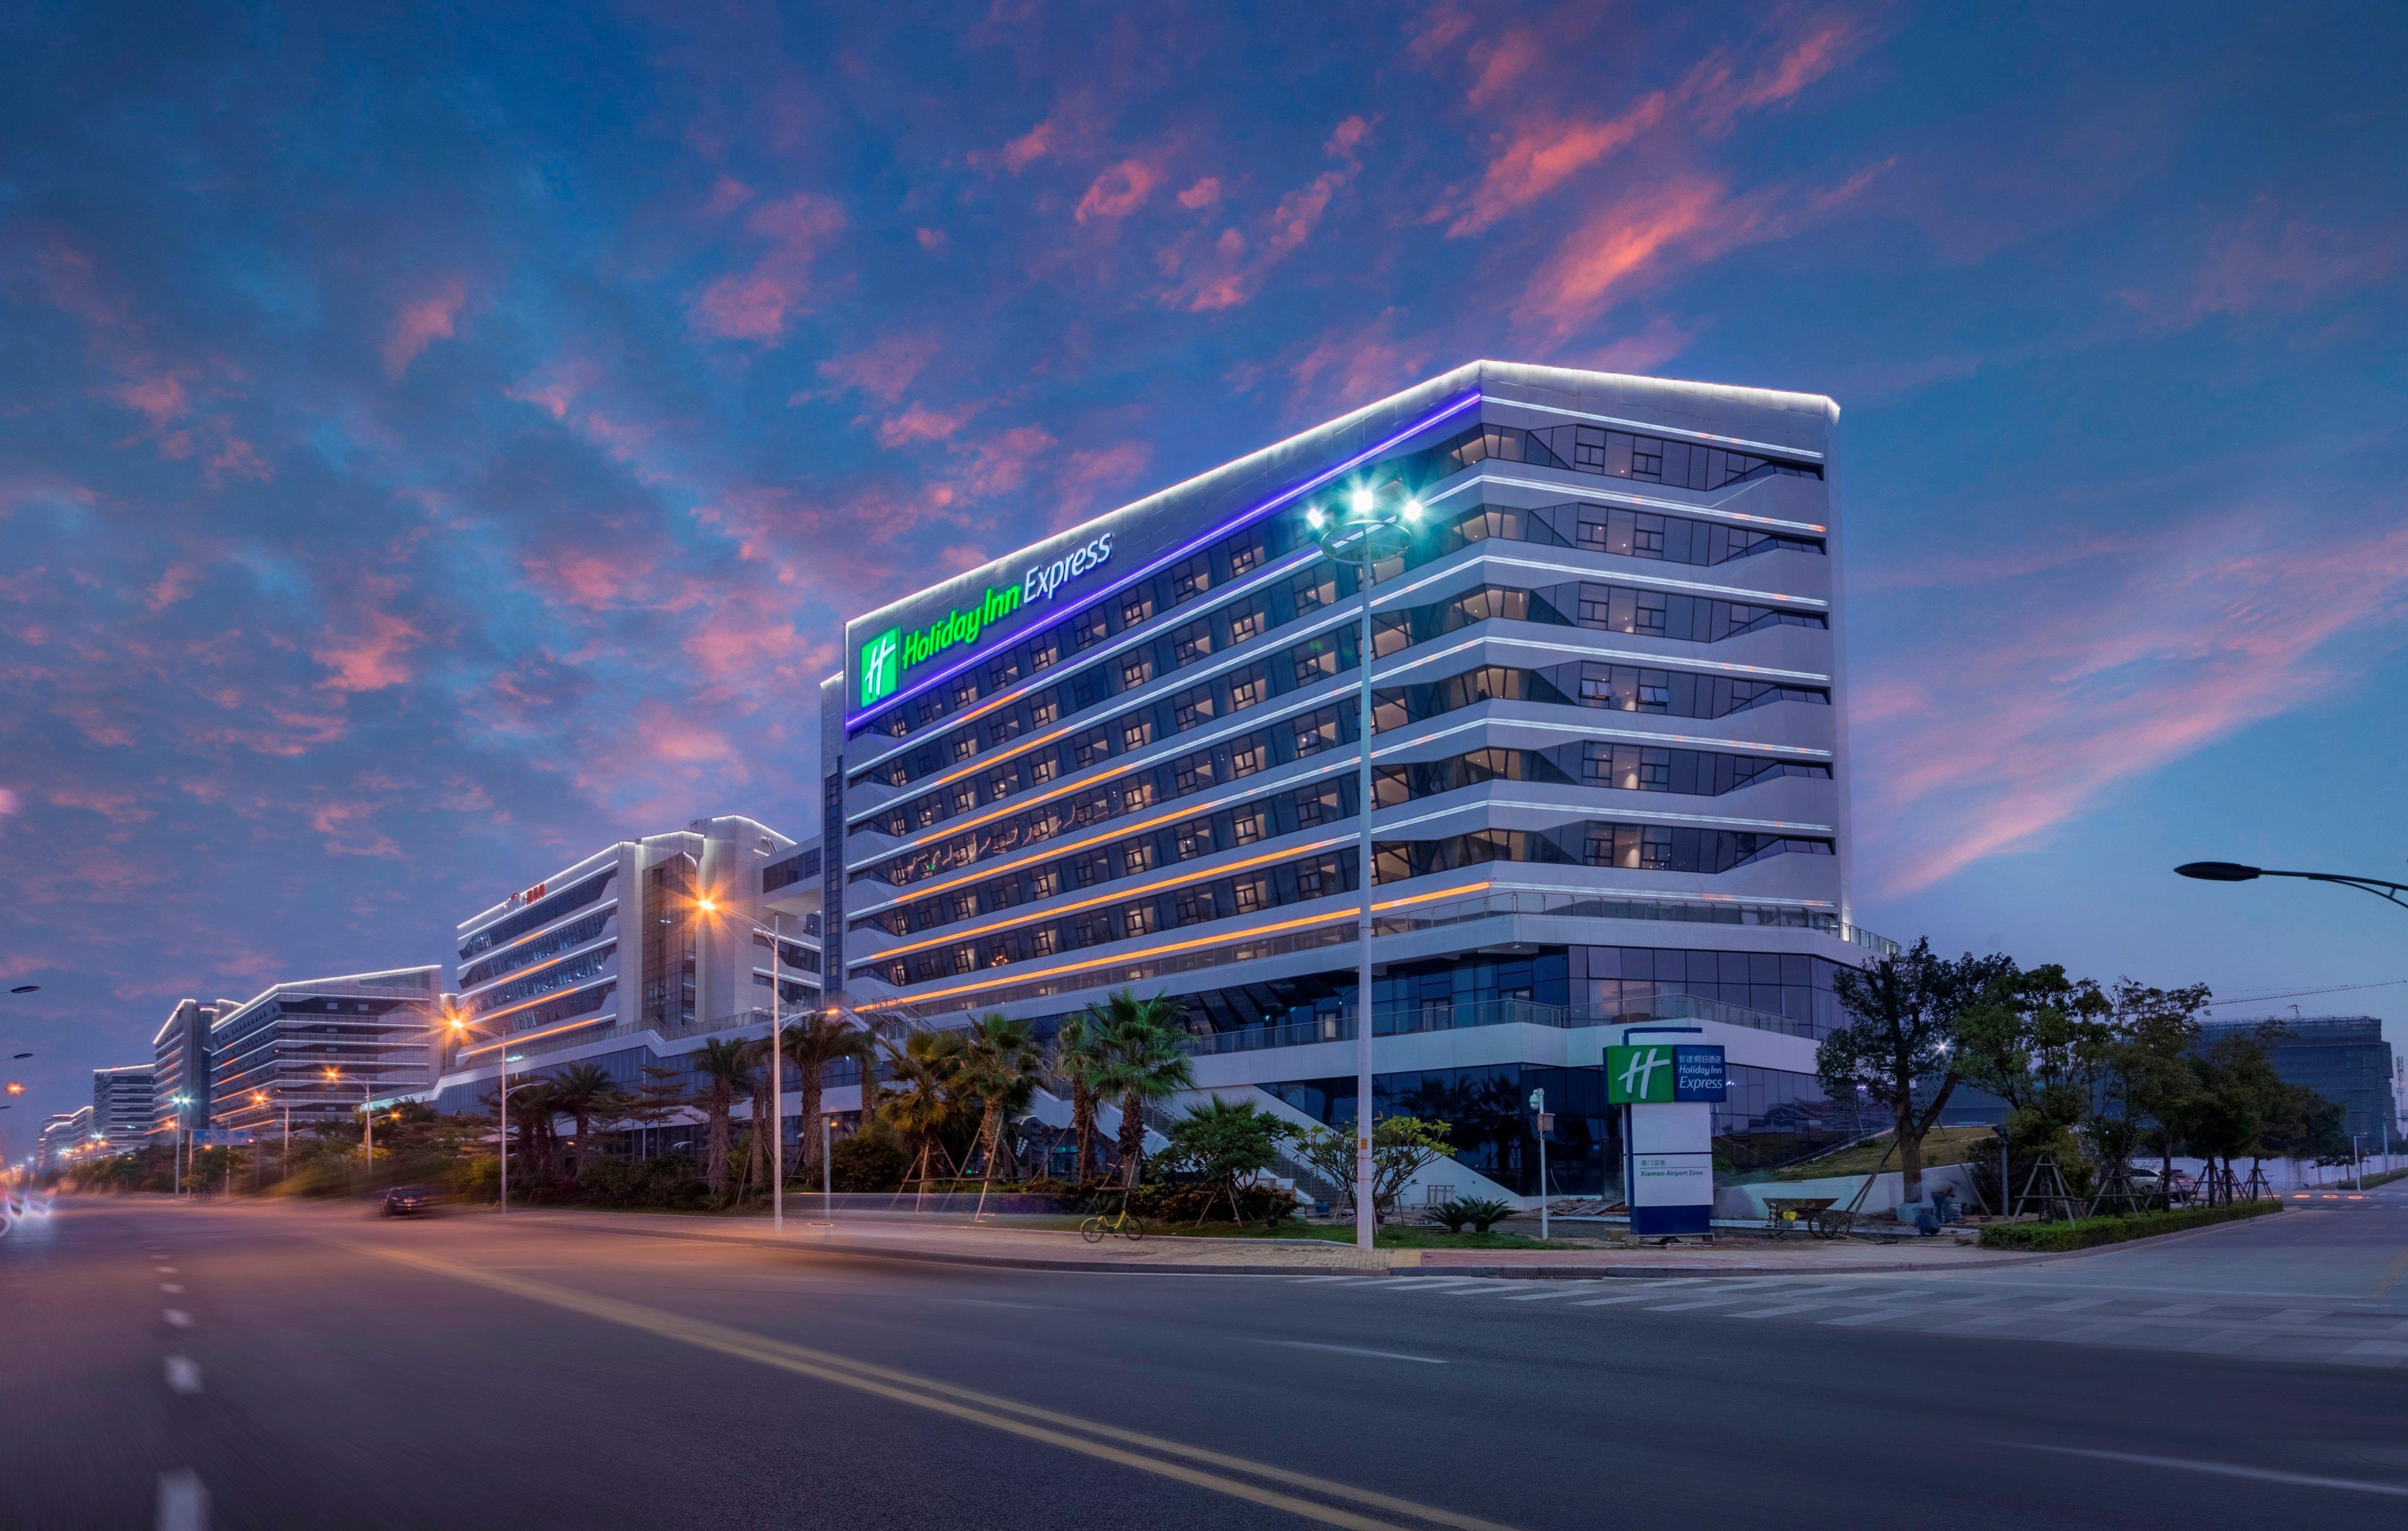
<point>435,442</point>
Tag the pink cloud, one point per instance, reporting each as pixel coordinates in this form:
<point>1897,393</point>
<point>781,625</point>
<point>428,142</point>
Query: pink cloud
<point>348,832</point>
<point>885,369</point>
<point>160,399</point>
<point>1497,64</point>
<point>930,238</point>
<point>919,423</point>
<point>2121,666</point>
<point>727,194</point>
<point>1231,270</point>
<point>10,803</point>
<point>1036,144</point>
<point>2268,263</point>
<point>122,807</point>
<point>1542,155</point>
<point>1627,241</point>
<point>757,305</point>
<point>1831,41</point>
<point>1002,463</point>
<point>556,387</point>
<point>174,583</point>
<point>1343,368</point>
<point>421,323</point>
<point>1656,343</point>
<point>370,657</point>
<point>1121,190</point>
<point>1202,195</point>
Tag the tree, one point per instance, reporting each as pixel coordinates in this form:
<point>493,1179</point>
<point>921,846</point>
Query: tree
<point>2146,1084</point>
<point>2038,1040</point>
<point>726,1069</point>
<point>582,1093</point>
<point>999,1068</point>
<point>533,1107</point>
<point>1145,1061</point>
<point>1899,1042</point>
<point>1226,1144</point>
<point>921,1107</point>
<point>813,1043</point>
<point>1401,1148</point>
<point>758,1126</point>
<point>1079,1059</point>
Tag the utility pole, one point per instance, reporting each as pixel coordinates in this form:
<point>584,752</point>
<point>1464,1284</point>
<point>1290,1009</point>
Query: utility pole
<point>1539,1122</point>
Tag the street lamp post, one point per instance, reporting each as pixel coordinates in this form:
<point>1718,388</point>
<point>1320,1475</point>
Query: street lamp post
<point>502,1104</point>
<point>367,1117</point>
<point>1371,524</point>
<point>181,1103</point>
<point>2233,871</point>
<point>777,933</point>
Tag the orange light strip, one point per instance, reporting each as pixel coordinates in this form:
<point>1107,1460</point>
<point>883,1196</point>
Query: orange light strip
<point>1113,897</point>
<point>1223,939</point>
<point>532,1036</point>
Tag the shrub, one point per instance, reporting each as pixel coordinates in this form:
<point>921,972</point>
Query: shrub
<point>2092,1232</point>
<point>1480,1212</point>
<point>1193,1201</point>
<point>867,1162</point>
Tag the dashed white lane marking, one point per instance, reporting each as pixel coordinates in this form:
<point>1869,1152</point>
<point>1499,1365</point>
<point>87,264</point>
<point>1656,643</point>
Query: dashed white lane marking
<point>2300,1315</point>
<point>178,1318</point>
<point>171,1289</point>
<point>2223,1469</point>
<point>1780,1311</point>
<point>1975,1326</point>
<point>183,1374</point>
<point>183,1504</point>
<point>2178,1309</point>
<point>1876,1316</point>
<point>2375,1353</point>
<point>1353,1350</point>
<point>2224,1342</point>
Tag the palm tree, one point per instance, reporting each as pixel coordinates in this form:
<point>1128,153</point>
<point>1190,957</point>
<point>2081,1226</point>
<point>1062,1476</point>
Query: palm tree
<point>582,1093</point>
<point>756,1134</point>
<point>1079,1059</point>
<point>999,1068</point>
<point>813,1043</point>
<point>726,1069</point>
<point>534,1106</point>
<point>1143,1061</point>
<point>923,1107</point>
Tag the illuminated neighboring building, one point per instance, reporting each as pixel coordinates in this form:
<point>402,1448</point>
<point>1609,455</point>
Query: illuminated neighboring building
<point>1612,767</point>
<point>181,1068</point>
<point>60,1134</point>
<point>636,955</point>
<point>121,1109</point>
<point>269,1056</point>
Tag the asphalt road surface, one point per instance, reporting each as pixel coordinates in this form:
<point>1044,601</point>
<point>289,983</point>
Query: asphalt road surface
<point>248,1365</point>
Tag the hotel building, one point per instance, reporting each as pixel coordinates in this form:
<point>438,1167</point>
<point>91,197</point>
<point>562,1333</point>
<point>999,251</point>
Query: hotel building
<point>121,1109</point>
<point>1611,768</point>
<point>633,958</point>
<point>271,1057</point>
<point>181,1066</point>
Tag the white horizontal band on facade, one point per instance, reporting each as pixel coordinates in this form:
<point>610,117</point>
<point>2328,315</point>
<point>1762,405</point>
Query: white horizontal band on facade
<point>1660,895</point>
<point>1653,662</point>
<point>1639,427</point>
<point>1698,741</point>
<point>1585,494</point>
<point>1616,812</point>
<point>540,964</point>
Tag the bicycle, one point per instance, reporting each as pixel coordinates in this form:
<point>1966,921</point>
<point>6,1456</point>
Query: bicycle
<point>1127,1224</point>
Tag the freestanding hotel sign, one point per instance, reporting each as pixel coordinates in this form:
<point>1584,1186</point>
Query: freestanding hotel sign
<point>1668,1089</point>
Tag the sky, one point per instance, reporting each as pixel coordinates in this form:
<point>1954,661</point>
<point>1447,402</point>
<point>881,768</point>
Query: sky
<point>435,443</point>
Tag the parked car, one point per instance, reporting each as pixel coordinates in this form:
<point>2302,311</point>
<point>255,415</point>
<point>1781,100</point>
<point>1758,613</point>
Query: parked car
<point>2150,1182</point>
<point>411,1200</point>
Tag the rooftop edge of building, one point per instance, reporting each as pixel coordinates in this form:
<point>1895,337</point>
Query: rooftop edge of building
<point>1473,379</point>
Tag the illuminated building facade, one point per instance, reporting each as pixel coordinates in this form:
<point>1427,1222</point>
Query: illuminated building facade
<point>1611,765</point>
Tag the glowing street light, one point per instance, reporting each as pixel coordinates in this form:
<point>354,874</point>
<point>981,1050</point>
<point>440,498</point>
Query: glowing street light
<point>1381,522</point>
<point>709,905</point>
<point>461,1029</point>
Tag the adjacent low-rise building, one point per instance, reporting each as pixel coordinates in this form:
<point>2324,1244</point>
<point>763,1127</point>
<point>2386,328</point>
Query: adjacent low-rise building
<point>58,1137</point>
<point>121,1107</point>
<point>2343,1058</point>
<point>314,1050</point>
<point>631,958</point>
<point>179,1073</point>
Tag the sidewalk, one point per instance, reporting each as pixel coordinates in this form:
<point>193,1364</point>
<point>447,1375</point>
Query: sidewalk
<point>997,1245</point>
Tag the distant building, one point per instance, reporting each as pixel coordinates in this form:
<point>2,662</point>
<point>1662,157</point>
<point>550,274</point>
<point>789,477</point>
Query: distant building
<point>2341,1057</point>
<point>616,961</point>
<point>269,1056</point>
<point>121,1110</point>
<point>58,1135</point>
<point>181,1066</point>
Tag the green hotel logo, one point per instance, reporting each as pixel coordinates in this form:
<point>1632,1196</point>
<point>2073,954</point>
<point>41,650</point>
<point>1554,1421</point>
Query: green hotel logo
<point>881,668</point>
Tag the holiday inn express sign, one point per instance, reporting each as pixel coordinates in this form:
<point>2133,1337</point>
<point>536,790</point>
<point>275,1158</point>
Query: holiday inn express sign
<point>1661,1074</point>
<point>887,657</point>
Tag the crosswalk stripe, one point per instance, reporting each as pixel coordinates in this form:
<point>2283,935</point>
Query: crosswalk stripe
<point>2224,1342</point>
<point>2071,1305</point>
<point>1609,1302</point>
<point>1975,1326</point>
<point>1878,1314</point>
<point>1777,1313</point>
<point>2375,1353</point>
<point>1685,1307</point>
<point>1542,1297</point>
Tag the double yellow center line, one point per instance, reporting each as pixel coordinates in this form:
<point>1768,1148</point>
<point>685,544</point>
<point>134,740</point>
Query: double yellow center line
<point>1215,1471</point>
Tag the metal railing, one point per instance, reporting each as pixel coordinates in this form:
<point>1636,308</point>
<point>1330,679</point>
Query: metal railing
<point>1495,1012</point>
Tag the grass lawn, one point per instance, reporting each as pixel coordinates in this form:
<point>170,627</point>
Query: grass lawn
<point>1943,1146</point>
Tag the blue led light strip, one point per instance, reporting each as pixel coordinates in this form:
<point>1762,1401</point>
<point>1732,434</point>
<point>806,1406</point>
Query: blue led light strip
<point>1277,502</point>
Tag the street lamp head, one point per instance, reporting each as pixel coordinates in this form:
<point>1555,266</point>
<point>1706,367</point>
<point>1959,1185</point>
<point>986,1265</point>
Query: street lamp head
<point>1359,502</point>
<point>707,904</point>
<point>1313,518</point>
<point>25,989</point>
<point>2217,871</point>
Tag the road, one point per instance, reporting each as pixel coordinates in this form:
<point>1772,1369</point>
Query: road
<point>258,1365</point>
